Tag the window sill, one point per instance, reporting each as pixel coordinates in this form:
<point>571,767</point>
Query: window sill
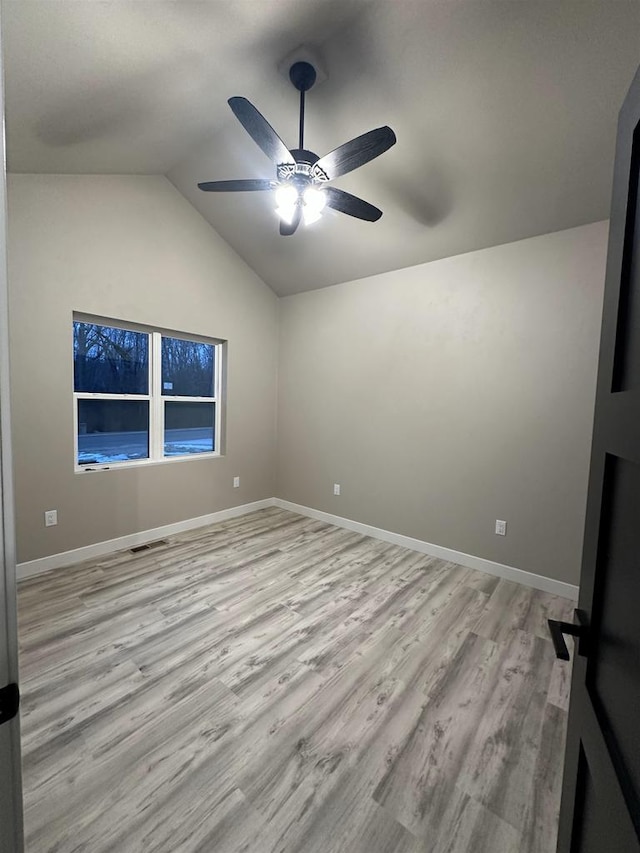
<point>144,463</point>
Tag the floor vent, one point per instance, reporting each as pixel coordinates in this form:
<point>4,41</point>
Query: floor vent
<point>149,546</point>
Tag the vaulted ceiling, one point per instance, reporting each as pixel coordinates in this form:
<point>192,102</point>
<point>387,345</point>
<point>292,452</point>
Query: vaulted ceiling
<point>505,113</point>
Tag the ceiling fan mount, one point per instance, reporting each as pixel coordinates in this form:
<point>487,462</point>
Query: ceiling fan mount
<point>301,175</point>
<point>302,75</point>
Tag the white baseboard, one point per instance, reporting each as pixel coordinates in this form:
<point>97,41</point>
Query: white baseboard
<point>99,549</point>
<point>510,573</point>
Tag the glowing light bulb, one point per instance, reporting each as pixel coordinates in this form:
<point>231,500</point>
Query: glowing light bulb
<point>286,195</point>
<point>314,202</point>
<point>286,199</point>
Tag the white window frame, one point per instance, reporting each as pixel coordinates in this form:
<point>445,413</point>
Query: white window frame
<point>155,397</point>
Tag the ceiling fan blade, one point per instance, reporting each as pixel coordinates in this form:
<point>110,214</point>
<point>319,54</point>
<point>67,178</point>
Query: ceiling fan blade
<point>351,205</point>
<point>289,228</point>
<point>261,131</point>
<point>356,153</point>
<point>237,186</point>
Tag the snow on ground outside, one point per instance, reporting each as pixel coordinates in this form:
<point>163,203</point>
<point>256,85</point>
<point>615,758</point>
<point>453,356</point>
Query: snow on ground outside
<point>170,449</point>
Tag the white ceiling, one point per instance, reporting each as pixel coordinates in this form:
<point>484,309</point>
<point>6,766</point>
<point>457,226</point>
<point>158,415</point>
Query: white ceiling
<point>505,113</point>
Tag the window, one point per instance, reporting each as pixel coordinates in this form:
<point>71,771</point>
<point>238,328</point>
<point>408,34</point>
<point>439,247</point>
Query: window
<point>143,395</point>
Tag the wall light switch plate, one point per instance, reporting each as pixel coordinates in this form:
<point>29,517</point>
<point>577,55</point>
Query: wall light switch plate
<point>336,488</point>
<point>51,518</point>
<point>501,527</point>
<point>236,482</point>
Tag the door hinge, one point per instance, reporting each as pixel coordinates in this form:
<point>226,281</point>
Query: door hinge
<point>9,702</point>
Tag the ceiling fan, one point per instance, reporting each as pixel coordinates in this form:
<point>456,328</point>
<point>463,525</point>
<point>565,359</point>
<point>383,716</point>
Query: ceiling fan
<point>301,176</point>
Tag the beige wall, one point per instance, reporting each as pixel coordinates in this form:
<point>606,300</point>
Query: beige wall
<point>445,396</point>
<point>440,397</point>
<point>130,248</point>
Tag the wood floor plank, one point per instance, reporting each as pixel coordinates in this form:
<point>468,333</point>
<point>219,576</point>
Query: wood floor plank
<point>515,607</point>
<point>273,684</point>
<point>83,638</point>
<point>421,779</point>
<point>560,684</point>
<point>347,824</point>
<point>503,755</point>
<point>540,825</point>
<point>468,827</point>
<point>54,709</point>
<point>131,779</point>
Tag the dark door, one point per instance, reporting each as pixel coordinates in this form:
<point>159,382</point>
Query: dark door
<point>600,810</point>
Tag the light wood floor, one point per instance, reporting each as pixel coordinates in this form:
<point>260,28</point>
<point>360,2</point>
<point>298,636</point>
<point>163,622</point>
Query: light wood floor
<point>272,684</point>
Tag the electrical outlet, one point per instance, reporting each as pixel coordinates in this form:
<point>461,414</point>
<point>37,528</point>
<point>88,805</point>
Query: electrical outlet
<point>51,518</point>
<point>236,482</point>
<point>336,488</point>
<point>501,527</point>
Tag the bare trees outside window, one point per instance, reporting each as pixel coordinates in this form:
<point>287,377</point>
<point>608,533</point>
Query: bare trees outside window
<point>143,395</point>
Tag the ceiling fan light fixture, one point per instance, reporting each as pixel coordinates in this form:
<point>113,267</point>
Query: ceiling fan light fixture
<point>286,213</point>
<point>310,216</point>
<point>287,195</point>
<point>287,198</point>
<point>314,200</point>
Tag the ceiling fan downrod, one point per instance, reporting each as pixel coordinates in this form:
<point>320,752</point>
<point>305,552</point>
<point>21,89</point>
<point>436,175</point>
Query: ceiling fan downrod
<point>303,76</point>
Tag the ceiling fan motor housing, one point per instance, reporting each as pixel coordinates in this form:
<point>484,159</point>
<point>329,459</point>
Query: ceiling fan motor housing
<point>301,155</point>
<point>305,170</point>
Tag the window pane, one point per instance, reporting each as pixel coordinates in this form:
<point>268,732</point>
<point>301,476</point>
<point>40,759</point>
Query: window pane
<point>107,360</point>
<point>112,431</point>
<point>189,428</point>
<point>187,368</point>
